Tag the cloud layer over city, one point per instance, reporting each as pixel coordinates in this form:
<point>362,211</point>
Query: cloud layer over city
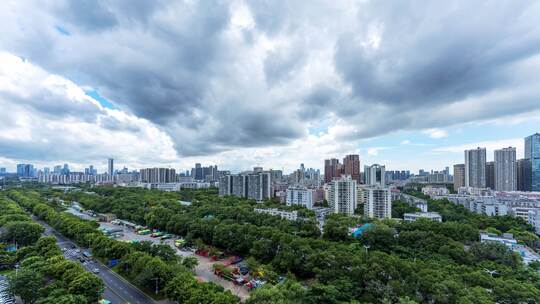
<point>273,83</point>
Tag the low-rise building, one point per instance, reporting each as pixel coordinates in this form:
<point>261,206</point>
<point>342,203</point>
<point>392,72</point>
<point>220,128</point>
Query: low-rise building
<point>534,219</point>
<point>435,191</point>
<point>414,201</point>
<point>476,191</point>
<point>289,215</point>
<point>489,208</point>
<point>506,239</point>
<point>521,212</point>
<point>322,212</point>
<point>527,254</point>
<point>411,217</point>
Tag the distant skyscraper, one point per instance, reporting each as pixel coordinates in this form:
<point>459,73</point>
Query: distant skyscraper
<point>197,172</point>
<point>459,176</point>
<point>3,171</point>
<point>375,175</point>
<point>351,166</point>
<point>25,170</point>
<point>505,169</point>
<point>524,175</point>
<point>490,175</point>
<point>532,153</point>
<point>475,168</point>
<point>57,169</point>
<point>332,168</point>
<point>110,167</point>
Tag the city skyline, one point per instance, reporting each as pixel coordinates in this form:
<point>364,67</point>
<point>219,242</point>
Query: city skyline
<point>490,146</point>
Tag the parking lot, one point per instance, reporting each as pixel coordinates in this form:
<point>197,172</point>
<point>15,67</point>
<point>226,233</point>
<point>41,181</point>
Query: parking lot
<point>6,297</point>
<point>203,270</point>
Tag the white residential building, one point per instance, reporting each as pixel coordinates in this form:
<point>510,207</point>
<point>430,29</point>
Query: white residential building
<point>475,168</point>
<point>505,169</point>
<point>377,202</point>
<point>343,195</point>
<point>256,184</point>
<point>300,196</point>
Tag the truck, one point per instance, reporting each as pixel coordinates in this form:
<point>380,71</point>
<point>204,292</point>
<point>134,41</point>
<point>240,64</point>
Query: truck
<point>221,271</point>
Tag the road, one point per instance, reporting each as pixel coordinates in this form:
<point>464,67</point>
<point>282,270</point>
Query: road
<point>117,289</point>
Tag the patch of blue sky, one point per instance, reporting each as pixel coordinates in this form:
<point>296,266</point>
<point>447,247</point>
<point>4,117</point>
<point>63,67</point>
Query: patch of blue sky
<point>62,31</point>
<point>102,100</point>
<point>316,130</point>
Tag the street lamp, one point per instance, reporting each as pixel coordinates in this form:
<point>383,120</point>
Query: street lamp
<point>367,247</point>
<point>491,272</point>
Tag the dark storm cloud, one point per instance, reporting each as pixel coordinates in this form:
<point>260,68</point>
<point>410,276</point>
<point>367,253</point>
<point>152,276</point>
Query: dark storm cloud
<point>318,101</point>
<point>53,106</point>
<point>280,64</point>
<point>427,59</point>
<point>89,15</point>
<point>180,58</point>
<point>380,66</point>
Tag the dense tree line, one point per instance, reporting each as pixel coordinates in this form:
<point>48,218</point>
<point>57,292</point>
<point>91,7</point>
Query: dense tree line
<point>419,262</point>
<point>153,267</point>
<point>44,275</point>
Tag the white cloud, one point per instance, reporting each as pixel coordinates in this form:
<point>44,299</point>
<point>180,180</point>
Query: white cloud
<point>374,151</point>
<point>405,142</point>
<point>436,133</point>
<point>54,121</point>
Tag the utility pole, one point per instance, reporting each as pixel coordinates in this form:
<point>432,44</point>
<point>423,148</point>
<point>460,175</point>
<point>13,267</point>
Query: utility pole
<point>156,279</point>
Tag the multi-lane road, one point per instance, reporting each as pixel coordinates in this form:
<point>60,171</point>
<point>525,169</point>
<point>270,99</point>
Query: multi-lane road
<point>117,289</point>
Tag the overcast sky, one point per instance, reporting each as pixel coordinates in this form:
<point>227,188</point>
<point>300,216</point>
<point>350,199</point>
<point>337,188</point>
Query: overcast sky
<point>409,84</point>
